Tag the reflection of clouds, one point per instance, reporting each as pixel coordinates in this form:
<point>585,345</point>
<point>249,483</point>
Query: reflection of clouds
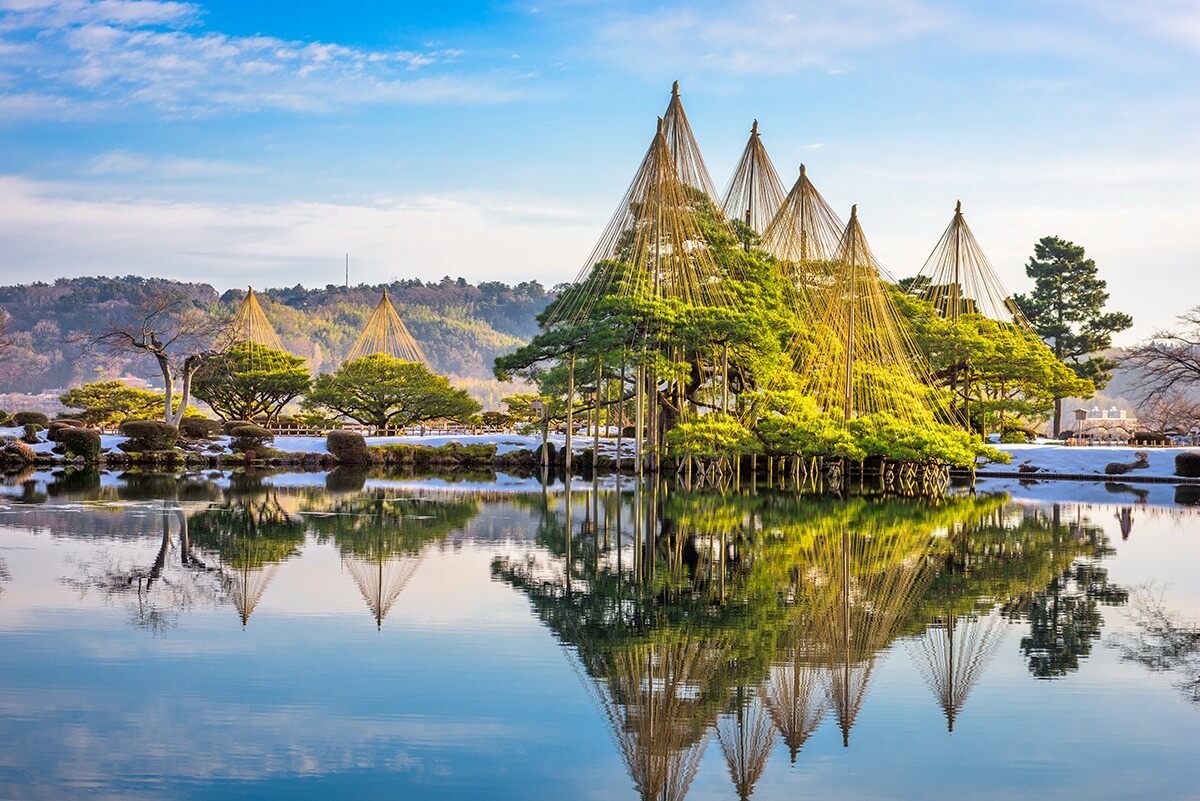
<point>191,738</point>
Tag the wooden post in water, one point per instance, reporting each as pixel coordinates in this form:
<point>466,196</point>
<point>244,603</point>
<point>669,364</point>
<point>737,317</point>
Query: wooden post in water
<point>570,409</point>
<point>596,433</point>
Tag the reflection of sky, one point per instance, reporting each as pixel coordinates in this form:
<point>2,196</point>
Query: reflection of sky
<point>463,694</point>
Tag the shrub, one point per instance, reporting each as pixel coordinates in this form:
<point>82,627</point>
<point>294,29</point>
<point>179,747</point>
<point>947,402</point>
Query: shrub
<point>148,435</point>
<point>711,436</point>
<point>5,419</point>
<point>31,418</point>
<point>1014,436</point>
<point>31,433</point>
<point>229,425</point>
<point>81,443</point>
<point>348,447</point>
<point>1149,438</point>
<point>1187,464</point>
<point>250,439</point>
<point>13,451</point>
<point>199,428</point>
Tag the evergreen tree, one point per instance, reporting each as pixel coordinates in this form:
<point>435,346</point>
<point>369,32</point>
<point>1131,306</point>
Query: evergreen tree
<point>1066,308</point>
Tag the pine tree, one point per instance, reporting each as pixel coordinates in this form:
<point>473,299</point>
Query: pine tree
<point>1066,308</point>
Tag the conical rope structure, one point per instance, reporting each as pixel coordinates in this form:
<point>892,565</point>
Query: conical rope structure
<point>247,580</point>
<point>804,236</point>
<point>653,247</point>
<point>684,150</point>
<point>746,739</point>
<point>250,324</point>
<point>386,333</point>
<point>957,278</point>
<point>755,193</point>
<point>952,654</point>
<point>861,358</point>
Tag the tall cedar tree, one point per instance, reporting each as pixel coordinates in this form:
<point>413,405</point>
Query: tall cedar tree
<point>1066,308</point>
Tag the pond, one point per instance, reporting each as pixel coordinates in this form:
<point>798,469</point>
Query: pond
<point>480,636</point>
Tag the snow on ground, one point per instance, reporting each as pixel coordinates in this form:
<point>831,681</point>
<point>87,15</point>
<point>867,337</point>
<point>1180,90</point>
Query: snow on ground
<point>1054,458</point>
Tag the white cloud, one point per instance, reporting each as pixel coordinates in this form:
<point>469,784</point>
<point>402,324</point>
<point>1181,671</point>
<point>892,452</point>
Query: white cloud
<point>127,163</point>
<point>146,53</point>
<point>51,230</point>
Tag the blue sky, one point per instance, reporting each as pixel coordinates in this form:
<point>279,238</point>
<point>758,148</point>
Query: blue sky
<point>258,142</point>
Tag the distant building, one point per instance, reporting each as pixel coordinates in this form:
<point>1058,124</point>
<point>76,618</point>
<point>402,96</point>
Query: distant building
<point>1112,420</point>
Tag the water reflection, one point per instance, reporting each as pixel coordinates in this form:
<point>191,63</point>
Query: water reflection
<point>728,626</point>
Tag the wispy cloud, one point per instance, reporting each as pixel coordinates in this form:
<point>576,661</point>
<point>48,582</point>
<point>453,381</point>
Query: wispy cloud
<point>120,53</point>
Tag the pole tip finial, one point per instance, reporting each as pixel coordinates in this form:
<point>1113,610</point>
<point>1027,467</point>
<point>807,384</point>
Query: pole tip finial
<point>675,89</point>
<point>958,207</point>
<point>754,128</point>
<point>803,171</point>
<point>660,125</point>
<point>854,212</point>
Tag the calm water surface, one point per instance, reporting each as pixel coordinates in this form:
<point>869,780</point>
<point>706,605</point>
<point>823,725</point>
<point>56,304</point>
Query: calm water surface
<point>338,636</point>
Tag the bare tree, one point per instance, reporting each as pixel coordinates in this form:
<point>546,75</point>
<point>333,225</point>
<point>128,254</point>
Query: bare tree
<point>1172,412</point>
<point>1170,360</point>
<point>179,336</point>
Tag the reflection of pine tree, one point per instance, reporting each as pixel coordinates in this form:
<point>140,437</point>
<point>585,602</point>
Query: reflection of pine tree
<point>1065,619</point>
<point>1164,642</point>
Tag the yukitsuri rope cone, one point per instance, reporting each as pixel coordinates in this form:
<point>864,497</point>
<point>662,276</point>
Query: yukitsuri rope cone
<point>804,237</point>
<point>796,697</point>
<point>250,324</point>
<point>953,653</point>
<point>386,333</point>
<point>755,193</point>
<point>860,357</point>
<point>654,245</point>
<point>957,278</point>
<point>681,144</point>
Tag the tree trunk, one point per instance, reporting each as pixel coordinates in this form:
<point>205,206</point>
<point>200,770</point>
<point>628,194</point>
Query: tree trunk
<point>168,387</point>
<point>1057,417</point>
<point>189,369</point>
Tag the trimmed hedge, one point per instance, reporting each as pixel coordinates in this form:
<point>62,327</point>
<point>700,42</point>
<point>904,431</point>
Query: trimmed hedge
<point>81,443</point>
<point>148,435</point>
<point>229,425</point>
<point>1149,438</point>
<point>251,434</point>
<point>31,418</point>
<point>1187,464</point>
<point>200,428</point>
<point>348,447</point>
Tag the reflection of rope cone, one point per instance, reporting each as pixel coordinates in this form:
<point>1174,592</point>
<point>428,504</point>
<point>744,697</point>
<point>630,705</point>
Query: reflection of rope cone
<point>250,324</point>
<point>654,698</point>
<point>876,579</point>
<point>386,333</point>
<point>746,739</point>
<point>247,585</point>
<point>953,653</point>
<point>796,699</point>
<point>381,580</point>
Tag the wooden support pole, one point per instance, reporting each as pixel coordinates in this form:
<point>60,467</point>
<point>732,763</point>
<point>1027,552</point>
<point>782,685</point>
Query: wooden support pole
<point>570,409</point>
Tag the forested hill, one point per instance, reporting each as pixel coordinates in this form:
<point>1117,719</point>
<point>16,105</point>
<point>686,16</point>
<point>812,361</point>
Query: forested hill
<point>462,327</point>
